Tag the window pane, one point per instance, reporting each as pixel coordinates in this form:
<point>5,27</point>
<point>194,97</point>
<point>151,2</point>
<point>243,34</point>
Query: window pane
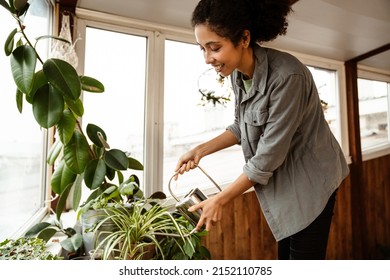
<point>119,111</point>
<point>326,83</point>
<point>21,141</point>
<point>187,123</point>
<point>373,110</point>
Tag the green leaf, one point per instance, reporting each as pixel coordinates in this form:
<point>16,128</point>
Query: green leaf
<point>61,178</point>
<point>128,188</point>
<point>23,62</point>
<point>62,201</point>
<point>34,230</point>
<point>77,191</point>
<point>47,233</point>
<point>91,84</point>
<point>135,164</point>
<point>9,43</point>
<point>48,106</point>
<point>66,126</point>
<point>110,173</point>
<point>5,5</point>
<point>73,243</point>
<point>116,159</point>
<point>76,153</point>
<point>76,107</point>
<point>92,132</point>
<point>20,4</point>
<point>63,77</point>
<point>19,100</point>
<point>38,82</point>
<point>54,151</point>
<point>94,174</point>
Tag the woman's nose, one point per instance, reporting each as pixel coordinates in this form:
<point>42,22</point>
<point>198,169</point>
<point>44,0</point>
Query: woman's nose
<point>208,57</point>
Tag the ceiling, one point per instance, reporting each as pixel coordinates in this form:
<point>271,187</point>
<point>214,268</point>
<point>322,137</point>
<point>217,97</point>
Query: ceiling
<point>335,29</point>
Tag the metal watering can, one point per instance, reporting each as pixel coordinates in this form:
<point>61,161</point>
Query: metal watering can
<point>193,197</point>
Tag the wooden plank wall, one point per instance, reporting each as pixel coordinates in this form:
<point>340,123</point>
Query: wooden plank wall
<point>244,234</point>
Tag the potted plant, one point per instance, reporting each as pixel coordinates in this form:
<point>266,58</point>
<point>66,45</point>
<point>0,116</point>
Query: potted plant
<point>54,91</point>
<point>26,248</point>
<point>146,229</point>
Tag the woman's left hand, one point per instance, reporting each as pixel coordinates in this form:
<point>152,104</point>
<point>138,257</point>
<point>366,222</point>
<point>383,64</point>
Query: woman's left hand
<point>211,212</point>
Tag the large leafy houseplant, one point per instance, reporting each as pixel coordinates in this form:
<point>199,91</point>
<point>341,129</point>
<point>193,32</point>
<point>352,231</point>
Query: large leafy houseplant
<point>53,88</point>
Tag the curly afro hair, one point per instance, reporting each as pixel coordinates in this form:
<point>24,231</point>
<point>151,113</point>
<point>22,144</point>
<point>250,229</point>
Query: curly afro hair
<point>265,19</point>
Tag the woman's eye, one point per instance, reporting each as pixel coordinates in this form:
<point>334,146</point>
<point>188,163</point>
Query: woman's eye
<point>215,49</point>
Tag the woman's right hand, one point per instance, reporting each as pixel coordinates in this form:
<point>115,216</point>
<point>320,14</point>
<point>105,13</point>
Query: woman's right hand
<point>187,162</point>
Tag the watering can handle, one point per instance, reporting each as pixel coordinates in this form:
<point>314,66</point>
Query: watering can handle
<point>205,173</point>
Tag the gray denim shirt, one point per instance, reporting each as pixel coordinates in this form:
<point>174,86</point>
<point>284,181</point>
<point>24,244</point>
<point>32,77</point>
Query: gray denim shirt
<point>289,149</point>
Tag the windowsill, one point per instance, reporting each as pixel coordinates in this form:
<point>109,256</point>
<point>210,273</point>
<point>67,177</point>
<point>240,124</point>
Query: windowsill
<point>376,152</point>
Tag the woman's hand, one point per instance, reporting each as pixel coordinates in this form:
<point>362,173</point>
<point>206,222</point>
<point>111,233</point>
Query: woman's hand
<point>187,162</point>
<point>211,212</point>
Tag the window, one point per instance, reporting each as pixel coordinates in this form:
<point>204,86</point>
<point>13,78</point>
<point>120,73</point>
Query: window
<point>22,142</point>
<point>374,113</point>
<point>187,123</point>
<point>119,111</point>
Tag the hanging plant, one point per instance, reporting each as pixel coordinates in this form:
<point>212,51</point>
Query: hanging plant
<point>214,88</point>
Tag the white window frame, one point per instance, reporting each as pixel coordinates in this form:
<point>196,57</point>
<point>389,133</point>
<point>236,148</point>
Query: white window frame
<point>370,73</point>
<point>45,196</point>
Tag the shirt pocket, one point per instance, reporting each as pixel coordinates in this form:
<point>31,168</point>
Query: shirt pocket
<point>255,122</point>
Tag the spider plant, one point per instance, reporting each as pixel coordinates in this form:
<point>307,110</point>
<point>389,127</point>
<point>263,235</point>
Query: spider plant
<point>145,224</point>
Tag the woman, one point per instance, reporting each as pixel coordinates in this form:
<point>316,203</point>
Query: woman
<point>292,158</point>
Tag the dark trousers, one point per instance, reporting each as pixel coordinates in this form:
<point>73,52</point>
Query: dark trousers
<point>311,242</point>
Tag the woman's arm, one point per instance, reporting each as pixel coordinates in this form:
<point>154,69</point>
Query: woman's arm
<point>191,159</point>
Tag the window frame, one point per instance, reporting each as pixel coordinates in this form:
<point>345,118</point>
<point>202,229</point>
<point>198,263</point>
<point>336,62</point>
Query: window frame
<point>370,73</point>
<point>46,198</point>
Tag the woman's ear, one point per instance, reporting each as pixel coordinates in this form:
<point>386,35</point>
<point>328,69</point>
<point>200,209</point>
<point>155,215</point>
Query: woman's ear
<point>246,38</point>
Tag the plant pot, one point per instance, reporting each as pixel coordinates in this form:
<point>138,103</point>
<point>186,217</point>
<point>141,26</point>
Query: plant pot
<point>92,236</point>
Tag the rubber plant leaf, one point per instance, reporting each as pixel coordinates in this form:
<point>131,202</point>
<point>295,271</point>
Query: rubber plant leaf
<point>19,100</point>
<point>5,5</point>
<point>61,178</point>
<point>77,190</point>
<point>54,152</point>
<point>47,233</point>
<point>38,82</point>
<point>92,132</point>
<point>23,62</point>
<point>66,126</point>
<point>91,84</point>
<point>76,106</point>
<point>63,77</point>
<point>73,243</point>
<point>94,174</point>
<point>48,106</point>
<point>62,201</point>
<point>9,43</point>
<point>135,164</point>
<point>34,230</point>
<point>76,153</point>
<point>116,159</point>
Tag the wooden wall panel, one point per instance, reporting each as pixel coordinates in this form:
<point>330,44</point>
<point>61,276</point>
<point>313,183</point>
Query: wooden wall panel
<point>243,232</point>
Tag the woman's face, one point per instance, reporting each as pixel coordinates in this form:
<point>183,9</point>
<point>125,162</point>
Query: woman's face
<point>220,52</point>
